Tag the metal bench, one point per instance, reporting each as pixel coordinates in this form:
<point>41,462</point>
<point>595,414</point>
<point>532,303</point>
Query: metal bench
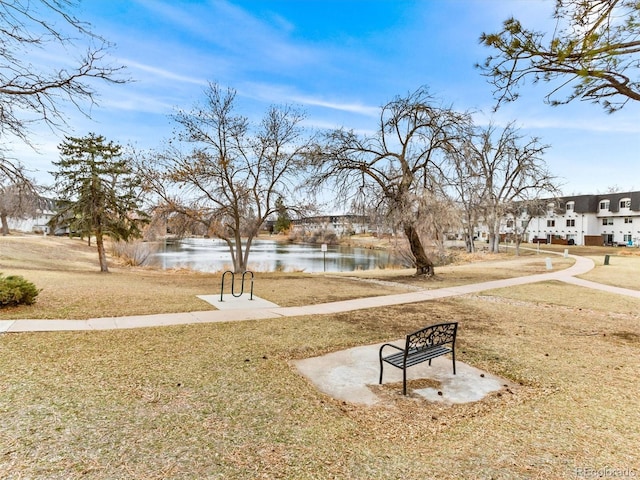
<point>421,346</point>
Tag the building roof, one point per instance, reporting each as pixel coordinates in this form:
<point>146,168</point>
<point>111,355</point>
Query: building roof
<point>590,203</point>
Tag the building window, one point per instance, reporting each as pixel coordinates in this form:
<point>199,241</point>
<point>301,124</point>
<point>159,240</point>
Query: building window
<point>569,206</point>
<point>628,220</point>
<point>607,221</point>
<point>571,222</point>
<point>625,203</point>
<point>604,205</point>
<point>628,239</point>
<point>509,223</point>
<point>551,223</point>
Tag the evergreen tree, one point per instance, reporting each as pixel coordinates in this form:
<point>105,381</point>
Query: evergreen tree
<point>99,194</point>
<point>592,49</point>
<point>283,222</point>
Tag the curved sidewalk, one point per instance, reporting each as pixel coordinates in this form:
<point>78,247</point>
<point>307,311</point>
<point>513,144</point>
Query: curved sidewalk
<point>581,266</point>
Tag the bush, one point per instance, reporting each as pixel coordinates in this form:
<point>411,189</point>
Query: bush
<point>15,290</point>
<point>133,254</point>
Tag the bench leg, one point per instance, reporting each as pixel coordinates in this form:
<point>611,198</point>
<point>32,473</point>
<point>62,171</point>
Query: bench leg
<point>381,364</point>
<point>453,355</point>
<point>404,381</point>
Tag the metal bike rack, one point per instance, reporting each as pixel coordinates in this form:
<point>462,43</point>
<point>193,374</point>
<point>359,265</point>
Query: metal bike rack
<point>233,284</point>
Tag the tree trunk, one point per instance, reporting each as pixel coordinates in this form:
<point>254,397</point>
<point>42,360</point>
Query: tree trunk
<point>517,239</point>
<point>494,236</point>
<point>5,225</point>
<point>102,254</point>
<point>469,243</point>
<point>239,265</point>
<point>468,231</point>
<point>424,266</point>
<point>494,243</point>
<point>247,250</point>
<point>236,252</point>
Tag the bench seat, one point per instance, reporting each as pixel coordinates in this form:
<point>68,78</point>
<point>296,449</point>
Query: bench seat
<point>417,356</point>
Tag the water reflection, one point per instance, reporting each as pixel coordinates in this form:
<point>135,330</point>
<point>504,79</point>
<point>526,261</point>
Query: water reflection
<point>207,255</point>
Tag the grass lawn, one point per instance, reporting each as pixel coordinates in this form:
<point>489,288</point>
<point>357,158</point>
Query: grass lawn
<point>224,401</point>
<point>622,271</point>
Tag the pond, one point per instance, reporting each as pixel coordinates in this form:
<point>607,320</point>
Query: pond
<point>208,255</point>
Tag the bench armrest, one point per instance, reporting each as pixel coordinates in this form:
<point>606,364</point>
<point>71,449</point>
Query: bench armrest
<point>390,345</point>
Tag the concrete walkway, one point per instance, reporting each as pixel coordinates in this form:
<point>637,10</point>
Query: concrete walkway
<point>245,309</point>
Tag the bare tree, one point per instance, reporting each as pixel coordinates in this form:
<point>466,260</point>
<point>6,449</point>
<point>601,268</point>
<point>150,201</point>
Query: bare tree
<point>594,49</point>
<point>18,199</point>
<point>521,214</point>
<point>400,162</point>
<point>33,86</point>
<point>468,187</point>
<point>232,176</point>
<point>509,169</point>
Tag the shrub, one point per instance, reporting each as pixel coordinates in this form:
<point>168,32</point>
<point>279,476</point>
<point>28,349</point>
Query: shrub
<point>133,253</point>
<point>15,290</point>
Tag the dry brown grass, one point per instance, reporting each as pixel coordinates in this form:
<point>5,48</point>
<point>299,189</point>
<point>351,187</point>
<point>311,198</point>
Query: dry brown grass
<point>224,401</point>
<point>622,271</point>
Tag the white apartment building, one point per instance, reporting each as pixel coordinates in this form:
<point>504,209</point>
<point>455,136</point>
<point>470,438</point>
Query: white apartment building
<point>603,219</point>
<point>36,224</point>
<point>338,224</point>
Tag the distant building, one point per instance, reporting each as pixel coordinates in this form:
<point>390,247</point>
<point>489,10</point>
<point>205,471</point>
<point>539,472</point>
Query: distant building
<point>35,224</point>
<point>604,219</point>
<point>339,224</point>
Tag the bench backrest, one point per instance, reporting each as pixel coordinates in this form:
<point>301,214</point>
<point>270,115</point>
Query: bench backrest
<point>432,336</point>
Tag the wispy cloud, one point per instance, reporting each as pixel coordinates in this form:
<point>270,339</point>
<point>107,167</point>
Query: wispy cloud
<point>234,31</point>
<point>276,94</point>
<point>584,124</point>
<point>343,107</point>
<point>136,103</point>
<point>532,114</point>
<point>165,74</point>
<point>324,125</point>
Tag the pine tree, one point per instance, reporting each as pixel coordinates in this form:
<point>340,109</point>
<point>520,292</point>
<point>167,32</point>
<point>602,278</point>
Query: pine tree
<point>99,194</point>
<point>283,222</point>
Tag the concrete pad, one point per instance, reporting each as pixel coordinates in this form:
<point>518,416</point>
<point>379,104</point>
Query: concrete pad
<point>242,302</point>
<point>347,374</point>
<point>469,384</point>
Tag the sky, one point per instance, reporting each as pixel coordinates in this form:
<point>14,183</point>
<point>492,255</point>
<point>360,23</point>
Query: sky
<point>339,61</point>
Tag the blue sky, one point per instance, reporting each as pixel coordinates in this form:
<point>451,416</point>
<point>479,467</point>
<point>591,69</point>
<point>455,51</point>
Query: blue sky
<point>339,60</point>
